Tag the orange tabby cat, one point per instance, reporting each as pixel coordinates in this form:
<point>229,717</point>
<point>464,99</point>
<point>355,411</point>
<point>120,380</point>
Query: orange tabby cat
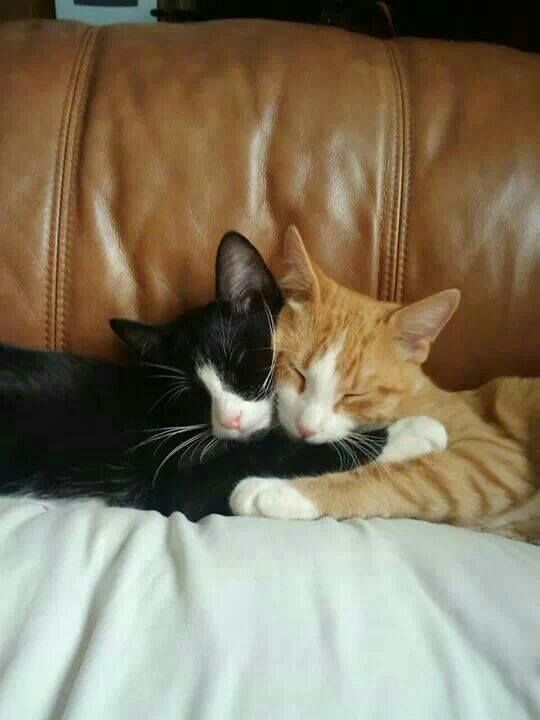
<point>347,361</point>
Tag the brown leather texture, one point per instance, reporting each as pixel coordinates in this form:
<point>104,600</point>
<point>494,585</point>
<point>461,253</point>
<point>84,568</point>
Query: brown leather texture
<point>127,151</point>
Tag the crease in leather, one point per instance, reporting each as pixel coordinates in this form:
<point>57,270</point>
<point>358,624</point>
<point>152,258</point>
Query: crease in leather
<point>64,175</point>
<point>393,253</point>
<point>281,211</point>
<point>271,194</point>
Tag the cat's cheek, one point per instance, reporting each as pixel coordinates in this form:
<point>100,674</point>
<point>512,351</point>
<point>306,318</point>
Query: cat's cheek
<point>337,427</point>
<point>258,415</point>
<point>289,407</point>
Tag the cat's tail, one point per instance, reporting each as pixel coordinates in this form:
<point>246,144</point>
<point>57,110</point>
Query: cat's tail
<point>115,485</point>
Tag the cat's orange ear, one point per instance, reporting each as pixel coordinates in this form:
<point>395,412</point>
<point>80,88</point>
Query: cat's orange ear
<point>414,327</point>
<point>299,281</point>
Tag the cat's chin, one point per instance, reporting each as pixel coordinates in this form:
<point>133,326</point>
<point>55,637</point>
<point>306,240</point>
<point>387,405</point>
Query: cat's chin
<point>325,437</point>
<point>241,435</point>
<point>321,438</point>
<point>340,430</point>
<point>370,427</point>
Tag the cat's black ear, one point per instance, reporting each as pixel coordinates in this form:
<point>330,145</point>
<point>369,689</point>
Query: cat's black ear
<point>242,275</point>
<point>139,336</point>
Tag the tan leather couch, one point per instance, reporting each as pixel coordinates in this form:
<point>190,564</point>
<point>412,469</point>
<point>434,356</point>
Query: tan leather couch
<point>126,152</point>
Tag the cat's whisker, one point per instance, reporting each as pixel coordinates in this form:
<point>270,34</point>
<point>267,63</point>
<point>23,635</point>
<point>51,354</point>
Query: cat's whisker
<point>175,391</point>
<point>200,442</point>
<point>229,330</point>
<point>349,449</point>
<point>153,438</point>
<point>235,333</point>
<point>165,440</point>
<point>215,444</point>
<point>194,441</point>
<point>172,433</point>
<point>372,451</point>
<point>168,377</point>
<point>162,442</point>
<point>209,446</point>
<point>366,446</point>
<point>271,370</point>
<point>337,448</point>
<point>160,399</point>
<point>265,392</point>
<point>362,437</point>
<point>173,452</point>
<point>346,452</point>
<point>240,352</point>
<point>165,432</point>
<point>223,337</point>
<point>368,450</point>
<point>179,392</point>
<point>176,371</point>
<point>175,427</point>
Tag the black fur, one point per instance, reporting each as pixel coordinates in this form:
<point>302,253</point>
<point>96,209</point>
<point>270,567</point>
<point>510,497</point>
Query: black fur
<point>76,427</point>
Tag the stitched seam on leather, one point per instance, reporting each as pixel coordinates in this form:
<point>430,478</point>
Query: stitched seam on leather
<point>382,254</point>
<point>402,189</point>
<point>51,249</point>
<point>405,175</point>
<point>386,219</point>
<point>56,207</point>
<point>390,259</point>
<point>71,163</point>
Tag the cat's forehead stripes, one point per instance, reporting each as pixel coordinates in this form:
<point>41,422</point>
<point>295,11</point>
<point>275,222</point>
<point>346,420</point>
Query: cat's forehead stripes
<point>312,336</point>
<point>316,352</point>
<point>309,331</point>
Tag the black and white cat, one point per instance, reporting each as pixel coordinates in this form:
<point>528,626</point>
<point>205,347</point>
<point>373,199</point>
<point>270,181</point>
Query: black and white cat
<point>175,430</point>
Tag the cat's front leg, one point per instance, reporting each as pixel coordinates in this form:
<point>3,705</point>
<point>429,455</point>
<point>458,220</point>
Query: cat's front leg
<point>413,437</point>
<point>310,498</point>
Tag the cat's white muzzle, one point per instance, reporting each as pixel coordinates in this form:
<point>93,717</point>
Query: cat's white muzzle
<point>234,418</point>
<point>310,421</point>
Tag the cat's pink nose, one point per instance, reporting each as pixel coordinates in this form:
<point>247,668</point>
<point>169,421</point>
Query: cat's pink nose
<point>305,431</point>
<point>232,422</point>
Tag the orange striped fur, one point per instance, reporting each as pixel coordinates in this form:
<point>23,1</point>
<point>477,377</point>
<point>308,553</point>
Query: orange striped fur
<point>487,479</point>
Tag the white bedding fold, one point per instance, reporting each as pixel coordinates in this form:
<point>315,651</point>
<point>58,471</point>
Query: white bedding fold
<point>122,614</point>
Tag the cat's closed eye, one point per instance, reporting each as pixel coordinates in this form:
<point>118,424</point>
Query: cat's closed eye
<point>300,376</point>
<point>356,399</point>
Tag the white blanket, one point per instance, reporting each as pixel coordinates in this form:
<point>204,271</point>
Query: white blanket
<point>126,615</point>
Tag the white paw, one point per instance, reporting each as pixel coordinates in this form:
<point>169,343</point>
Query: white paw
<point>413,436</point>
<point>242,500</point>
<point>271,498</point>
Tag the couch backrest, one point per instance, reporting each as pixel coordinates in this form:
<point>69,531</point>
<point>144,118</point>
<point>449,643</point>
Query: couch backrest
<point>126,152</point>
